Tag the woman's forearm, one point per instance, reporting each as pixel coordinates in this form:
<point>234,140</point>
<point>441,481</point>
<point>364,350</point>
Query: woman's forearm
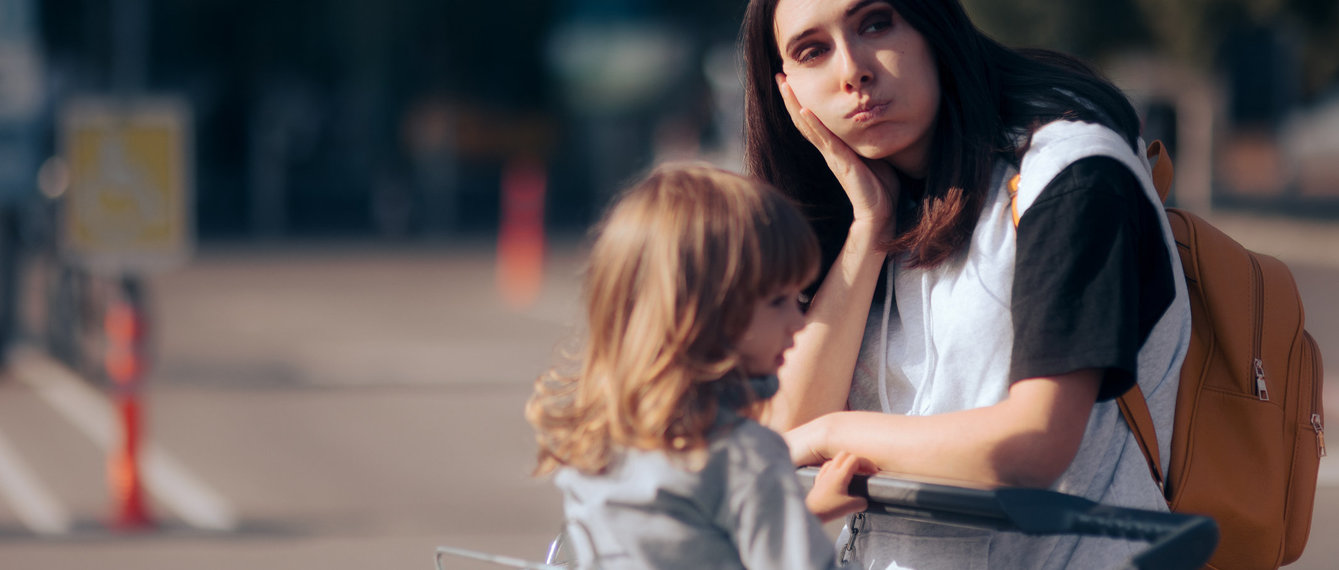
<point>1028,439</point>
<point>952,446</point>
<point>816,377</point>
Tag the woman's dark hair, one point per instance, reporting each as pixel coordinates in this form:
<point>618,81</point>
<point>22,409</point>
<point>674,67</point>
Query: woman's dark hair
<point>991,99</point>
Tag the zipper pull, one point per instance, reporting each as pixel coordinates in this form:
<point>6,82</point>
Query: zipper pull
<point>1320,433</point>
<point>1260,389</point>
<point>857,521</point>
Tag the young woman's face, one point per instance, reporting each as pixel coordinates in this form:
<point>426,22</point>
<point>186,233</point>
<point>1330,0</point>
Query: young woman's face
<point>864,72</point>
<point>771,331</point>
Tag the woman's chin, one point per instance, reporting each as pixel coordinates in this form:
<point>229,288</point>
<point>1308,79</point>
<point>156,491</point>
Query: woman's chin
<point>872,152</point>
<point>871,149</point>
<point>906,158</point>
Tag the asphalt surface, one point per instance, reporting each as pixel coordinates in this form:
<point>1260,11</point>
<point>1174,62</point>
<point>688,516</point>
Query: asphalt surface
<point>357,405</point>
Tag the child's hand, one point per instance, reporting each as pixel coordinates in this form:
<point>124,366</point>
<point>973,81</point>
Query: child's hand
<point>829,499</point>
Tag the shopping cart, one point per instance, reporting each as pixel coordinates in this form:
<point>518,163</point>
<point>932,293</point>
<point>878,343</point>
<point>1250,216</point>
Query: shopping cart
<point>1176,541</point>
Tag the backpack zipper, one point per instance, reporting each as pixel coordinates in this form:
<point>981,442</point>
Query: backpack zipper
<point>1260,390</point>
<point>1317,388</point>
<point>1320,433</point>
<point>1257,287</point>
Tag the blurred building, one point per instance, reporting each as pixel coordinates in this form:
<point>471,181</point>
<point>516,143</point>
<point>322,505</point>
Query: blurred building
<point>397,118</point>
<point>365,117</point>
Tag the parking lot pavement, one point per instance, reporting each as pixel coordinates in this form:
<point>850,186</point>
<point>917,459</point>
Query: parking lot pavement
<point>357,316</point>
<point>362,403</point>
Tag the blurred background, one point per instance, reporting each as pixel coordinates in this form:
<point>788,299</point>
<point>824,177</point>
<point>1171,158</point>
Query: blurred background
<point>275,277</point>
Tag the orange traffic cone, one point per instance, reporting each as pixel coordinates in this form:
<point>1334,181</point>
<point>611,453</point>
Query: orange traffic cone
<point>124,362</point>
<point>520,248</point>
<point>123,469</point>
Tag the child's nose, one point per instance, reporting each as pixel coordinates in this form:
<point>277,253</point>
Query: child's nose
<point>795,322</point>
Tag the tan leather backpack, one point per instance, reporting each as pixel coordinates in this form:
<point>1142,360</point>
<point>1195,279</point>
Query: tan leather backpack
<point>1248,433</point>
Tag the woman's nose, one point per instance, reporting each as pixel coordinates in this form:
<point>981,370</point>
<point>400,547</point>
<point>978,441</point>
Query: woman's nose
<point>855,73</point>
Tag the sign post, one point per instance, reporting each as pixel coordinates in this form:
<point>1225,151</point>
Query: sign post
<point>127,212</point>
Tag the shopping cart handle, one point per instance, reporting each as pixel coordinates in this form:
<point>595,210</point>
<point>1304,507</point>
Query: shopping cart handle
<point>1177,540</point>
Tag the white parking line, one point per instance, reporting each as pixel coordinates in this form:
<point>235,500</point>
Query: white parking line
<point>165,478</point>
<point>33,504</point>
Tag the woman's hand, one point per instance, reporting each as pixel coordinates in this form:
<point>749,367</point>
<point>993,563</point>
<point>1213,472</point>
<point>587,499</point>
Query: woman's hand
<point>871,185</point>
<point>830,498</point>
<point>807,442</point>
<point>816,378</point>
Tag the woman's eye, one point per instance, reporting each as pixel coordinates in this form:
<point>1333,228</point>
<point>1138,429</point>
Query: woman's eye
<point>809,53</point>
<point>876,25</point>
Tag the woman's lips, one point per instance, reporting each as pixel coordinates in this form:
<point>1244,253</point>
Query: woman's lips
<point>865,113</point>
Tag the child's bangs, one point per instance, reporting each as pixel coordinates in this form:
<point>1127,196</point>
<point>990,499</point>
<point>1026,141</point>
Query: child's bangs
<point>789,250</point>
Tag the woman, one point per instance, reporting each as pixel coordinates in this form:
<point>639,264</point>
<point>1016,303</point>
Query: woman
<point>943,340</point>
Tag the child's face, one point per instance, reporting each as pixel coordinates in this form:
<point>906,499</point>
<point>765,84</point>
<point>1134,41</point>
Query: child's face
<point>776,319</point>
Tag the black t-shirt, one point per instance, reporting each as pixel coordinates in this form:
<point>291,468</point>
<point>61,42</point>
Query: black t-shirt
<point>1092,276</point>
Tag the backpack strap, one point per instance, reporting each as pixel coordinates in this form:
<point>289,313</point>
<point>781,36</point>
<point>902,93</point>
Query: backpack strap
<point>1133,406</point>
<point>1132,403</point>
<point>1162,169</point>
<point>1013,197</point>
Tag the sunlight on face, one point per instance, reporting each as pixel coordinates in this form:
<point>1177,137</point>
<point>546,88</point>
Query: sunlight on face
<point>864,72</point>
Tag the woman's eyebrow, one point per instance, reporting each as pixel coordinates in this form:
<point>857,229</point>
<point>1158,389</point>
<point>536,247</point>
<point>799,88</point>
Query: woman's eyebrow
<point>858,6</point>
<point>786,46</point>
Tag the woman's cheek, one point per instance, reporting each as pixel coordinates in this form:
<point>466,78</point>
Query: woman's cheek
<point>804,93</point>
<point>810,97</point>
<point>825,115</point>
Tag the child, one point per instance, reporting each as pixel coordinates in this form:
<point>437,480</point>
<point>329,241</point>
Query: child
<point>691,298</point>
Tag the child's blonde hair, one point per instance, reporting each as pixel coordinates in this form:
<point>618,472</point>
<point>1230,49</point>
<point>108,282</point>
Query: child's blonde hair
<point>679,262</point>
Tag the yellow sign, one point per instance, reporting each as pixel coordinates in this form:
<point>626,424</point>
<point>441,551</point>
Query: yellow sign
<point>128,206</point>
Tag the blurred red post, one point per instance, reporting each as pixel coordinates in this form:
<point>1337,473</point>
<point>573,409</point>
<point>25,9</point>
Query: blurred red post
<point>520,247</point>
<point>125,328</point>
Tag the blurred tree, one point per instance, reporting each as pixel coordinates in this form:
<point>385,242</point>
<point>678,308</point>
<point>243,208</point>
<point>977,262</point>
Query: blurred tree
<point>1320,44</point>
<point>1091,29</point>
<point>1189,31</point>
<point>1195,31</point>
<point>1192,30</point>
